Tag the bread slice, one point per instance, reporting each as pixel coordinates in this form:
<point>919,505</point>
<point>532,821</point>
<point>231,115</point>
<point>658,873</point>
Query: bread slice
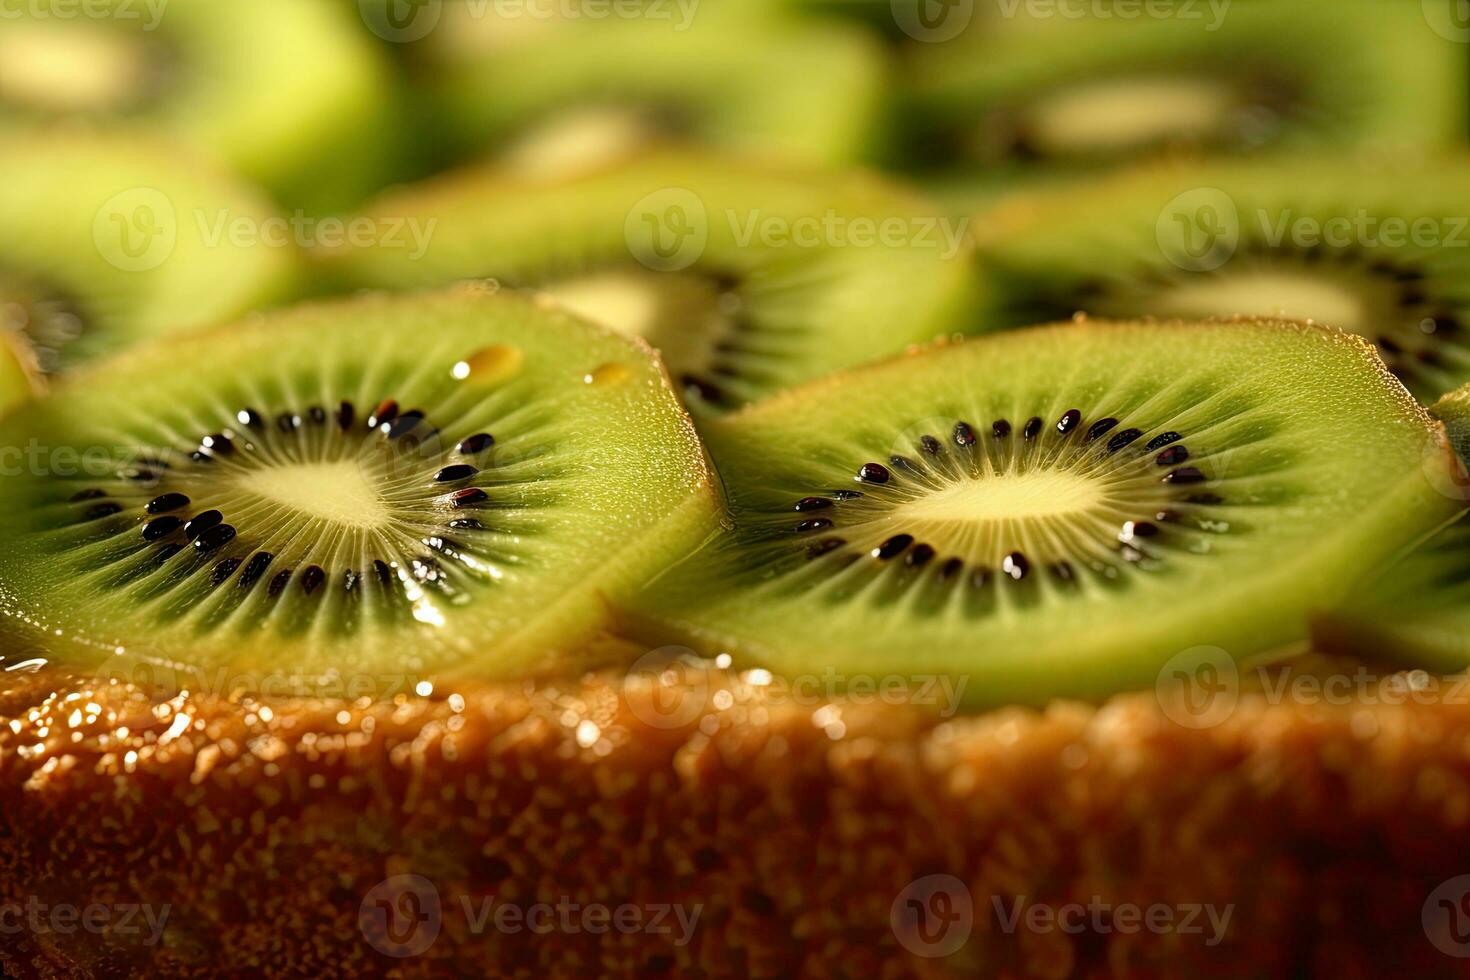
<point>752,831</point>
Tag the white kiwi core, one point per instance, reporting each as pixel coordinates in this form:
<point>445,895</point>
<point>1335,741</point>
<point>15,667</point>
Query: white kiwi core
<point>71,67</point>
<point>336,491</point>
<point>1116,114</point>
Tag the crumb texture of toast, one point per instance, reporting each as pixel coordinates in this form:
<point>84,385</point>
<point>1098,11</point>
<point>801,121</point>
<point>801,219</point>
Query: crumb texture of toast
<point>785,830</point>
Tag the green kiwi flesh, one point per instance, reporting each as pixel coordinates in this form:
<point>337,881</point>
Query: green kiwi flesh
<point>1060,510</point>
<point>674,247</point>
<point>428,486</point>
<point>1417,611</point>
<point>289,94</point>
<point>106,240</point>
<point>1026,95</point>
<point>1376,250</point>
<point>542,95</point>
<point>20,380</point>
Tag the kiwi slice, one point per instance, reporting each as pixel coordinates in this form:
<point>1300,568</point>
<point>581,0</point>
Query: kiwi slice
<point>108,239</point>
<point>1060,510</point>
<point>290,94</point>
<point>1030,94</point>
<point>432,485</point>
<point>543,94</point>
<point>1416,612</point>
<point>748,278</point>
<point>1380,250</point>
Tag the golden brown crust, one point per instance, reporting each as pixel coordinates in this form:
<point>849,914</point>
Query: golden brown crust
<point>792,826</point>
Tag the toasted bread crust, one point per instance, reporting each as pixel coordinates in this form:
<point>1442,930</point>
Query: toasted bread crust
<point>792,827</point>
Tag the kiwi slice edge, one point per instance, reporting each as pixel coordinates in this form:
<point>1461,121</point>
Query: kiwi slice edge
<point>1192,503</point>
<point>370,488</point>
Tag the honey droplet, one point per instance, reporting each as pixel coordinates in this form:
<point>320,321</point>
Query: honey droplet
<point>607,374</point>
<point>490,365</point>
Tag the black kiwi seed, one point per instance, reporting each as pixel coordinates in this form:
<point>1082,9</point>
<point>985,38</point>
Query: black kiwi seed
<point>1100,428</point>
<point>1188,474</point>
<point>92,494</point>
<point>1069,421</point>
<point>201,523</point>
<point>847,494</point>
<point>815,524</point>
<point>920,556</point>
<point>345,414</point>
<point>1160,441</point>
<point>278,584</point>
<point>1000,428</point>
<point>213,538</point>
<point>951,567</point>
<point>468,496</point>
<point>903,463</point>
<point>141,476</point>
<point>100,511</point>
<point>1204,498</point>
<point>403,424</point>
<point>316,414</point>
<point>350,580</point>
<point>255,568</point>
<point>1172,456</point>
<point>895,545</point>
<point>161,527</point>
<point>250,417</point>
<point>1064,572</point>
<point>963,434</point>
<point>467,524</point>
<point>477,443</point>
<point>1015,565</point>
<point>164,503</point>
<point>167,552</point>
<point>224,569</point>
<point>459,471</point>
<point>873,473</point>
<point>813,503</point>
<point>288,422</point>
<point>200,456</point>
<point>1139,529</point>
<point>217,443</point>
<point>1123,438</point>
<point>384,573</point>
<point>930,445</point>
<point>386,411</point>
<point>1033,427</point>
<point>312,578</point>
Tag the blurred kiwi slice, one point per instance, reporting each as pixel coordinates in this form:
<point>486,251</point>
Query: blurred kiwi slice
<point>748,278</point>
<point>1416,612</point>
<point>290,94</point>
<point>107,239</point>
<point>1061,510</point>
<point>1033,94</point>
<point>1382,250</point>
<point>20,378</point>
<point>438,485</point>
<point>560,88</point>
